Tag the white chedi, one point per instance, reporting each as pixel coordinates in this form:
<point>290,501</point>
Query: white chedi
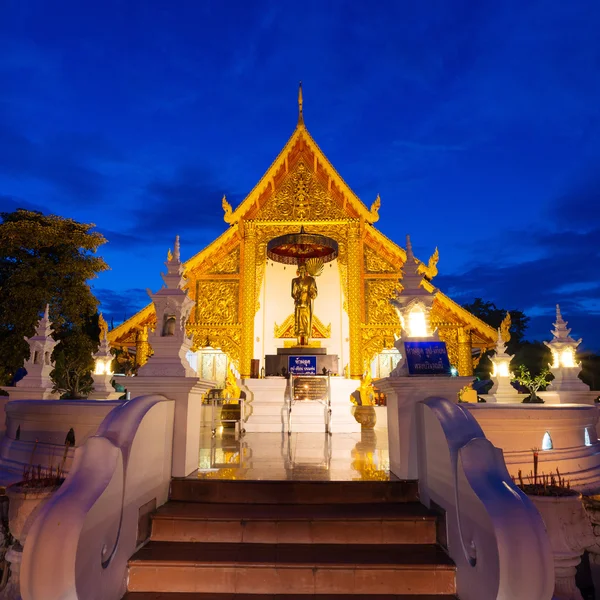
<point>502,390</point>
<point>103,373</point>
<point>564,367</point>
<point>170,340</point>
<point>413,305</point>
<point>39,365</point>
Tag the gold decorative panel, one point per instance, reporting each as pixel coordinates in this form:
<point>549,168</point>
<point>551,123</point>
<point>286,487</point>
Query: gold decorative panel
<point>217,302</point>
<point>301,197</point>
<point>230,264</point>
<point>375,264</point>
<point>286,329</point>
<point>378,293</point>
<point>225,338</point>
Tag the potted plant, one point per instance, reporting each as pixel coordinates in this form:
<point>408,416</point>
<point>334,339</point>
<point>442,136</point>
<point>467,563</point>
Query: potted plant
<point>364,403</point>
<point>25,499</point>
<point>567,524</point>
<point>532,383</point>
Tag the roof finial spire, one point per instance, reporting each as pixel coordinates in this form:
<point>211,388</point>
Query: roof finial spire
<point>300,102</point>
<point>409,250</point>
<point>177,252</point>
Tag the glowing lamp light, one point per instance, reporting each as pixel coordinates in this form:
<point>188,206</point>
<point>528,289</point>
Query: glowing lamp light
<point>417,323</point>
<point>453,371</point>
<point>547,442</point>
<point>501,368</point>
<point>555,359</point>
<point>567,357</point>
<point>103,366</point>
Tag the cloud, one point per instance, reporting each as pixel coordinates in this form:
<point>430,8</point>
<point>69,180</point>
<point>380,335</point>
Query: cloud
<point>188,202</point>
<point>10,203</point>
<point>121,305</point>
<point>62,162</point>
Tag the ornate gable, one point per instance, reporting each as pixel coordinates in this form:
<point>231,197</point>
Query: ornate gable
<point>301,184</point>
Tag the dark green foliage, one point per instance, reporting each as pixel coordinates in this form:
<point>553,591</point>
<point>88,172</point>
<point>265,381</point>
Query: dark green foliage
<point>534,356</point>
<point>48,260</point>
<point>590,372</point>
<point>493,316</point>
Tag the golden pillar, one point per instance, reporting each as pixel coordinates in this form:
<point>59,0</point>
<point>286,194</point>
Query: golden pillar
<point>248,299</point>
<point>465,360</point>
<point>354,300</point>
<point>142,346</point>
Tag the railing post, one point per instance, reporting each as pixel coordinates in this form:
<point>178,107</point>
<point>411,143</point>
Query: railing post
<point>403,394</point>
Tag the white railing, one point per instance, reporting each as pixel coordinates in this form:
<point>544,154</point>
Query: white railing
<point>495,535</point>
<point>78,547</point>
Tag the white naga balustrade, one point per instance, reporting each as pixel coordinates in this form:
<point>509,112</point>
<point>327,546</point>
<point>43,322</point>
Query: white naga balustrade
<point>79,545</point>
<point>496,536</point>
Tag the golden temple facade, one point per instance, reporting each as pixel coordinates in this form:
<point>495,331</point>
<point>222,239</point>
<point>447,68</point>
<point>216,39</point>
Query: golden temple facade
<point>302,188</point>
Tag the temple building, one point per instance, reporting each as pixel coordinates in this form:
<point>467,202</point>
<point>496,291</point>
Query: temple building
<point>243,309</point>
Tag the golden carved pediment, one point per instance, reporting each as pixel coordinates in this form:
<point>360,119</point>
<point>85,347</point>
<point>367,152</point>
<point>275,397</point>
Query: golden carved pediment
<point>378,293</point>
<point>228,265</point>
<point>286,329</point>
<point>376,264</point>
<point>216,302</point>
<point>301,197</point>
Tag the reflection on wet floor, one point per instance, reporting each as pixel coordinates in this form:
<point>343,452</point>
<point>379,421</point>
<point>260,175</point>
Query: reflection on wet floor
<point>300,456</point>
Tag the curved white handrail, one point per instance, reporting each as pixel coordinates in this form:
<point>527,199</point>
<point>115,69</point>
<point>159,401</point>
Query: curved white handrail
<point>79,545</point>
<point>507,555</point>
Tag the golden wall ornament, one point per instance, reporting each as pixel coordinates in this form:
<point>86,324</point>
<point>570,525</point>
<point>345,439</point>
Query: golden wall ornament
<point>286,329</point>
<point>227,338</point>
<point>142,347</point>
<point>301,197</point>
<point>217,301</point>
<point>378,293</point>
<point>465,359</point>
<point>228,265</point>
<point>376,264</point>
<point>249,297</point>
<point>375,340</point>
<point>355,300</point>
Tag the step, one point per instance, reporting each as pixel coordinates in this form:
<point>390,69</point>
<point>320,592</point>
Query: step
<point>293,492</point>
<point>201,596</point>
<point>389,523</point>
<point>297,568</point>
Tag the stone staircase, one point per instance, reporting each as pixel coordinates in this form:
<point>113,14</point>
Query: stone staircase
<point>220,540</point>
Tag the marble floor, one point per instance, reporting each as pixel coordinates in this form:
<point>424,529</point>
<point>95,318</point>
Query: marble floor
<point>300,456</point>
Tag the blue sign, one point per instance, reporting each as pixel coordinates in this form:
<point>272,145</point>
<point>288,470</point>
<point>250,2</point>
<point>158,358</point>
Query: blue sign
<point>302,365</point>
<point>427,358</point>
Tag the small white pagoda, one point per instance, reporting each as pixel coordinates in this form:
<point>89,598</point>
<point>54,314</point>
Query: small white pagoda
<point>37,385</point>
<point>413,306</point>
<point>103,373</point>
<point>170,340</point>
<point>502,391</point>
<point>566,387</point>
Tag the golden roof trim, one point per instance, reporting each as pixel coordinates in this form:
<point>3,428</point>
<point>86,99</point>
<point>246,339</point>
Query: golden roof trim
<point>370,215</point>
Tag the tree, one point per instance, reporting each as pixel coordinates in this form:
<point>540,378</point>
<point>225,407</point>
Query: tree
<point>535,356</point>
<point>489,313</point>
<point>73,360</point>
<point>45,259</point>
<point>590,372</point>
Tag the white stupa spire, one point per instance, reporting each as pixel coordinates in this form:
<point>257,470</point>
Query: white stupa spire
<point>564,367</point>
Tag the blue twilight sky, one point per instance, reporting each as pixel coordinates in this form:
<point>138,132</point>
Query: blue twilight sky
<point>478,122</point>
